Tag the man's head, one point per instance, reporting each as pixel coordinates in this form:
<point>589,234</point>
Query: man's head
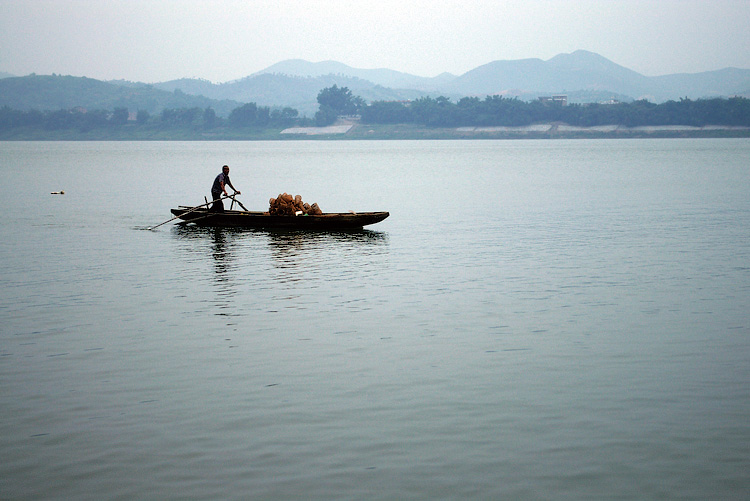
<point>225,169</point>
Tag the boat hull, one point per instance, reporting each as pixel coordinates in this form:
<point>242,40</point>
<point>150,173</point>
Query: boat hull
<point>264,220</point>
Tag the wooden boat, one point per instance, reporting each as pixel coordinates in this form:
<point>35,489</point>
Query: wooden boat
<point>264,220</point>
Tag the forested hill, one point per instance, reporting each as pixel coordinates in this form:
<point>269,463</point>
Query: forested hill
<point>584,77</point>
<point>56,92</point>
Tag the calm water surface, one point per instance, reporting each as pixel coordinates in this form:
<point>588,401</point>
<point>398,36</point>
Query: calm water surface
<point>536,320</point>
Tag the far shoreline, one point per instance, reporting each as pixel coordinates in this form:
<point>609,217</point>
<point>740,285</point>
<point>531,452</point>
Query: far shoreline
<point>348,130</point>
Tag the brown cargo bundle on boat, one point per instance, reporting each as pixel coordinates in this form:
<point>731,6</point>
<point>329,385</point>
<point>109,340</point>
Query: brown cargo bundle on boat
<point>287,205</point>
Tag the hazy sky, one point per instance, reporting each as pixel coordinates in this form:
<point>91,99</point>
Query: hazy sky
<point>223,40</point>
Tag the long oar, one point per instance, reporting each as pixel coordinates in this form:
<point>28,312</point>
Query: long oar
<point>187,212</point>
<point>235,200</point>
<point>210,214</point>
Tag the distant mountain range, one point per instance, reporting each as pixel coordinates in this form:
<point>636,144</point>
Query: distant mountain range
<point>583,76</point>
<point>580,73</point>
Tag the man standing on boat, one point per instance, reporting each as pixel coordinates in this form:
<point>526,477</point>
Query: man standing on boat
<point>219,188</point>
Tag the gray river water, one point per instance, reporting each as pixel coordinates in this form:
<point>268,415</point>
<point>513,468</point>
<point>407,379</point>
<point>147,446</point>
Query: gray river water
<point>560,319</point>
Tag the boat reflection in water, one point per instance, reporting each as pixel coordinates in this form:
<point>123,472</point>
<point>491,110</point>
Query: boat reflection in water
<point>259,271</point>
<point>288,249</point>
<point>290,243</point>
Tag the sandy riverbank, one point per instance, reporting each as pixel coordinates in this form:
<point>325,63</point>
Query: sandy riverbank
<point>355,130</point>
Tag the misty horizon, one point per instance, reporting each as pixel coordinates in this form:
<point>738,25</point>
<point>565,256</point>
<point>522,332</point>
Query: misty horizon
<point>226,40</point>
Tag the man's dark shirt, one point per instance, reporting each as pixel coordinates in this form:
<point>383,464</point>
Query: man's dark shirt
<point>216,188</point>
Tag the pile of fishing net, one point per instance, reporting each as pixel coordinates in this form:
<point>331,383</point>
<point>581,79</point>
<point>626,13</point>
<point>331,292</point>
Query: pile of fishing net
<point>288,205</point>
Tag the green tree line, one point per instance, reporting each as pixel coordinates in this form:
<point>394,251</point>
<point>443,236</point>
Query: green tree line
<point>249,115</point>
<point>334,101</point>
<point>432,112</point>
<point>499,111</point>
